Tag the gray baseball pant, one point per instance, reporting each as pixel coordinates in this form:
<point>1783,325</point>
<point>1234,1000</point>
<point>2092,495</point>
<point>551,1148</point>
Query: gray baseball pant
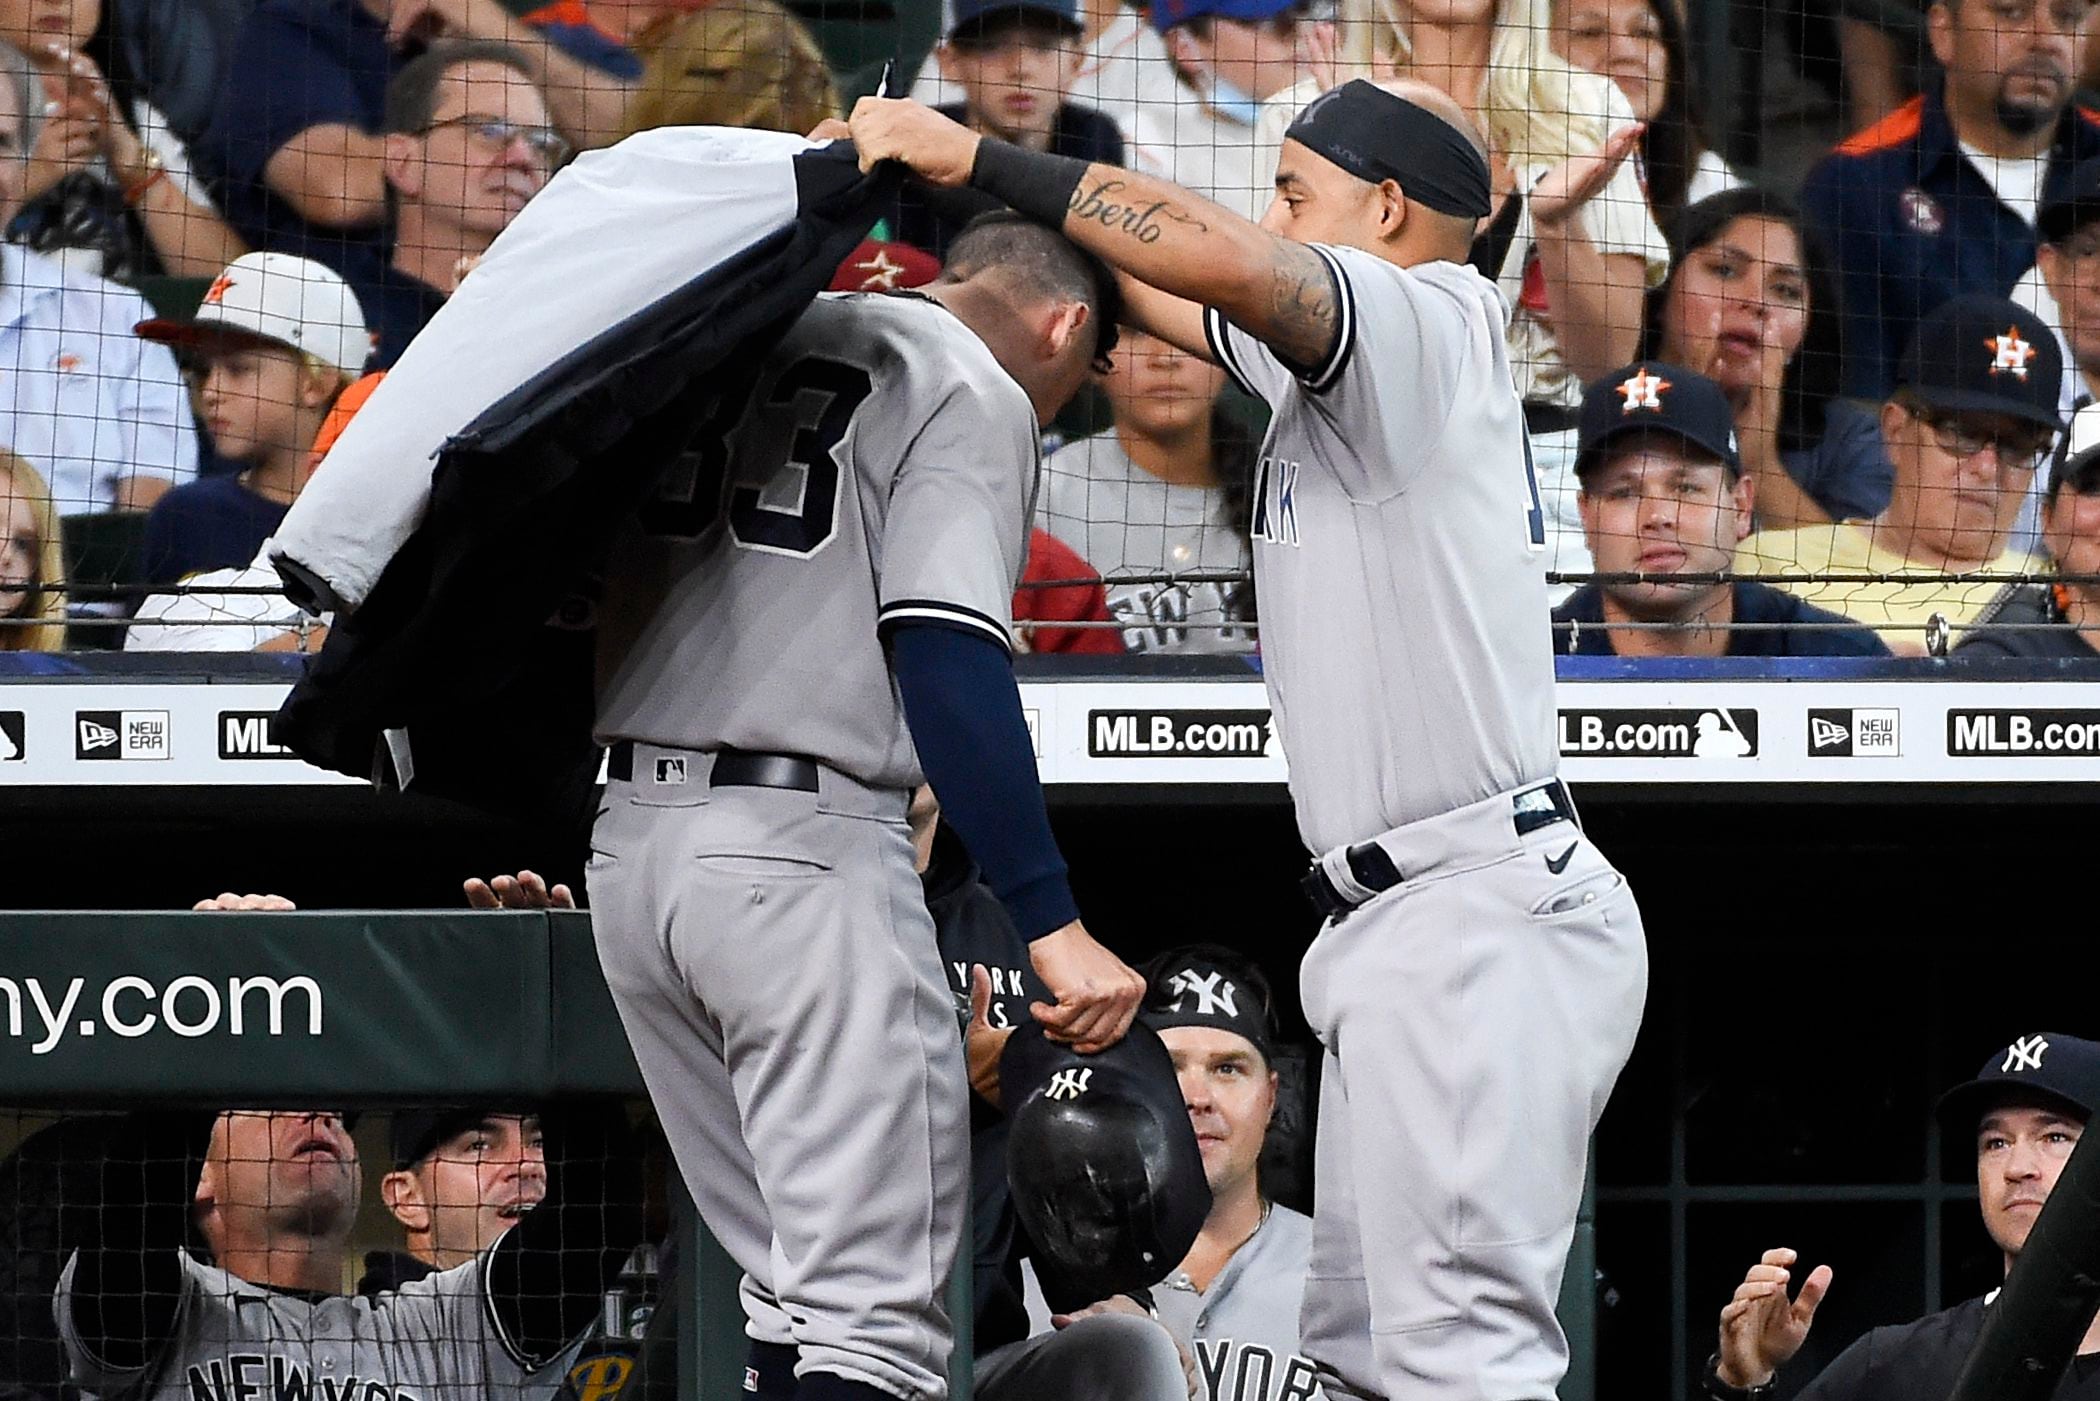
<point>1107,1357</point>
<point>1474,1020</point>
<point>774,967</point>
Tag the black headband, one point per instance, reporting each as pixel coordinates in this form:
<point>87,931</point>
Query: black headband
<point>1377,136</point>
<point>1194,991</point>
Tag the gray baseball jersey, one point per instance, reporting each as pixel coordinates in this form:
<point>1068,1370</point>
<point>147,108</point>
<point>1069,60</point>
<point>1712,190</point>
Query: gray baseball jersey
<point>1398,545</point>
<point>798,489</point>
<point>1243,1330</point>
<point>433,1340</point>
<point>1122,519</point>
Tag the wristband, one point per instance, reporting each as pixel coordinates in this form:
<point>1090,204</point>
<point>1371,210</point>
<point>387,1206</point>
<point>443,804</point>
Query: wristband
<point>1034,183</point>
<point>156,171</point>
<point>1710,1383</point>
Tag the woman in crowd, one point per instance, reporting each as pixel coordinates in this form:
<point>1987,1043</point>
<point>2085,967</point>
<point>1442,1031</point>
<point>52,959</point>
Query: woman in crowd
<point>32,562</point>
<point>746,64</point>
<point>1572,242</point>
<point>107,174</point>
<point>1752,304</point>
<point>1641,46</point>
<point>1164,491</point>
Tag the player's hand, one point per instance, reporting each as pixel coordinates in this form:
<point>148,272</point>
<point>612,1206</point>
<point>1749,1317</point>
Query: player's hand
<point>831,129</point>
<point>523,891</point>
<point>939,151</point>
<point>1760,1327</point>
<point>1579,179</point>
<point>1097,993</point>
<point>230,901</point>
<point>1115,1303</point>
<point>982,1042</point>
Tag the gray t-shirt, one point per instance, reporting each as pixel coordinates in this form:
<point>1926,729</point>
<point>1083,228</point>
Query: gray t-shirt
<point>433,1340</point>
<point>1243,1330</point>
<point>882,471</point>
<point>1398,546</point>
<point>1123,520</point>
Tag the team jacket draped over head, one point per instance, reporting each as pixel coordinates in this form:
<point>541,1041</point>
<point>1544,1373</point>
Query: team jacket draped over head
<point>457,526</point>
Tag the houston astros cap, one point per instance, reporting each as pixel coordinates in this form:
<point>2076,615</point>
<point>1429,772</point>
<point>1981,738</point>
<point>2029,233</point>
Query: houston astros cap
<point>1983,354</point>
<point>1209,986</point>
<point>972,16</point>
<point>1650,396</point>
<point>1168,13</point>
<point>2077,206</point>
<point>2045,1066</point>
<point>275,299</point>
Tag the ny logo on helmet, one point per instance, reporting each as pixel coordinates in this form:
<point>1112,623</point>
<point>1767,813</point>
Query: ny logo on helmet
<point>1069,1084</point>
<point>2024,1054</point>
<point>1214,996</point>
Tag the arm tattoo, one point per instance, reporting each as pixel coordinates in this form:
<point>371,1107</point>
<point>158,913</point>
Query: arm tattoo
<point>1304,313</point>
<point>1107,205</point>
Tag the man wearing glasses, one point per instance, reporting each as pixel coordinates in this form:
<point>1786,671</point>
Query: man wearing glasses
<point>469,142</point>
<point>1973,414</point>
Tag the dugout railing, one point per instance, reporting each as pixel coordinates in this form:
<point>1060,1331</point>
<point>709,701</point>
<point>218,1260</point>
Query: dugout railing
<point>113,1011</point>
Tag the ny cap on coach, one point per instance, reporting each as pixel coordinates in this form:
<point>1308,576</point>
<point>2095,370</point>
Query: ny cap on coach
<point>1981,354</point>
<point>1650,396</point>
<point>2045,1067</point>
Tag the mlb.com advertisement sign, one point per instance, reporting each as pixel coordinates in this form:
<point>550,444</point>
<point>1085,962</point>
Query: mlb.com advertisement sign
<point>1723,732</point>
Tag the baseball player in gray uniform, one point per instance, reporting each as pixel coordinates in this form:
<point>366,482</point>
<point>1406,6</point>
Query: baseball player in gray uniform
<point>141,1317</point>
<point>810,619</point>
<point>1233,1302</point>
<point>1480,977</point>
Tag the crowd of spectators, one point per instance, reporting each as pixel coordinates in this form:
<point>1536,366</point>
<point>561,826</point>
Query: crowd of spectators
<point>383,145</point>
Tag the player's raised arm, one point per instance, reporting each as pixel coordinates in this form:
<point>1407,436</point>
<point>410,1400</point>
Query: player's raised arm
<point>1278,289</point>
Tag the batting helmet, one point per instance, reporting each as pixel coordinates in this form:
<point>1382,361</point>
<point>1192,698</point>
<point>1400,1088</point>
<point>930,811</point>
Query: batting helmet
<point>1103,1164</point>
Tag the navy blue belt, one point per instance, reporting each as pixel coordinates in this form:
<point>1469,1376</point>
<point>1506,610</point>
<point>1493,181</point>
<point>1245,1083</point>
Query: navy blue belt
<point>733,768</point>
<point>1373,867</point>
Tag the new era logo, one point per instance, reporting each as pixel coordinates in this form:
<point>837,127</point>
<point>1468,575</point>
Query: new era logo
<point>120,734</point>
<point>1855,734</point>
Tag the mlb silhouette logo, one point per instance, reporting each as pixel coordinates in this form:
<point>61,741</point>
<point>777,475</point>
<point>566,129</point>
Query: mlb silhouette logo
<point>670,769</point>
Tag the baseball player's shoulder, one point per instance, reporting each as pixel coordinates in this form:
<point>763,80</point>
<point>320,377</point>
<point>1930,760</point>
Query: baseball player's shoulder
<point>1289,1234</point>
<point>941,352</point>
<point>1429,288</point>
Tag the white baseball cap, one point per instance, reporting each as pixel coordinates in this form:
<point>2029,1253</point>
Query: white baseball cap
<point>2080,447</point>
<point>276,299</point>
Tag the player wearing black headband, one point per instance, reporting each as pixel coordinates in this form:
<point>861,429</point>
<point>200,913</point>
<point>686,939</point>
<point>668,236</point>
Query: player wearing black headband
<point>1480,976</point>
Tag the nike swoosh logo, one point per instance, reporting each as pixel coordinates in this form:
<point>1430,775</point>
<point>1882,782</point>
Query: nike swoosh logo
<point>1557,864</point>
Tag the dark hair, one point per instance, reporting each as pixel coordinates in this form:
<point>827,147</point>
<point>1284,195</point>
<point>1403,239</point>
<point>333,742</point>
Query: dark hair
<point>1675,139</point>
<point>411,98</point>
<point>1812,376</point>
<point>1046,264</point>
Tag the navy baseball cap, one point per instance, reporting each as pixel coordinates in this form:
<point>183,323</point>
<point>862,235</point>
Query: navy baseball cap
<point>2077,206</point>
<point>1650,396</point>
<point>1983,354</point>
<point>2046,1067</point>
<point>973,17</point>
<point>1168,13</point>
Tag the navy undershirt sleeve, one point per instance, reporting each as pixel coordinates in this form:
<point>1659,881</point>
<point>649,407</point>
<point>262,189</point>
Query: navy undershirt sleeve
<point>965,716</point>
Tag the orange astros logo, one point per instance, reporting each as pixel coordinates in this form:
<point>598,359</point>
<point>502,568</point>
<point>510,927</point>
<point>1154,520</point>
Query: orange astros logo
<point>1643,391</point>
<point>2010,353</point>
<point>216,293</point>
<point>66,362</point>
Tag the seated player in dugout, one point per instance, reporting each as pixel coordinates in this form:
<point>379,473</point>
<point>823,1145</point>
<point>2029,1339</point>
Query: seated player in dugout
<point>1233,1302</point>
<point>1663,492</point>
<point>2060,616</point>
<point>1973,415</point>
<point>461,1178</point>
<point>1015,61</point>
<point>2023,1113</point>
